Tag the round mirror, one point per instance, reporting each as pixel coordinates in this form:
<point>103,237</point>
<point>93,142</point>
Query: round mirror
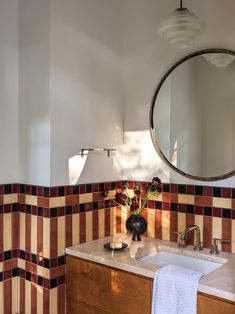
<point>192,115</point>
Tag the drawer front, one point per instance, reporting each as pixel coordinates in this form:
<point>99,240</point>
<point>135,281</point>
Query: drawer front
<point>107,289</point>
<point>75,307</point>
<point>211,305</point>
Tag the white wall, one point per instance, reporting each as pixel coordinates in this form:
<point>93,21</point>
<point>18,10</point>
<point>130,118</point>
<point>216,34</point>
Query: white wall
<point>8,91</point>
<point>34,110</point>
<point>147,57</point>
<point>85,85</point>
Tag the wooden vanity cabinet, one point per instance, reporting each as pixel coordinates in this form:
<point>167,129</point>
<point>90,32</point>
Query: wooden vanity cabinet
<point>97,289</point>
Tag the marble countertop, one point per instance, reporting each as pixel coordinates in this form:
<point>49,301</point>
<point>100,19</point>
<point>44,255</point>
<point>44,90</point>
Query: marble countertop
<point>219,283</point>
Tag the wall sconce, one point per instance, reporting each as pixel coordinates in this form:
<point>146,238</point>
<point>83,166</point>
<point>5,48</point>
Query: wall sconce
<point>181,28</point>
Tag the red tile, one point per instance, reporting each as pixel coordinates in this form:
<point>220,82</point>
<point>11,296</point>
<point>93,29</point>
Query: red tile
<point>166,206</point>
<point>199,210</point>
<point>95,224</point>
<point>68,190</point>
<point>233,204</point>
<point>61,211</point>
<point>82,222</point>
<point>28,233</point>
<point>7,295</point>
<point>207,231</point>
<point>72,199</point>
<point>190,222</point>
<point>203,200</point>
<point>15,231</point>
<point>181,208</point>
<point>57,271</point>
<point>95,187</point>
<point>174,188</point>
<point>21,198</point>
<point>53,237</point>
<point>107,222</point>
<point>173,226</point>
<point>33,298</point>
<point>233,214</point>
<point>68,230</point>
<point>46,301</point>
<point>40,236</point>
<point>158,224</point>
<point>166,197</point>
<point>22,295</point>
<point>98,196</point>
<point>43,202</point>
<point>61,299</point>
<point>226,234</point>
<point>174,198</point>
<point>8,265</point>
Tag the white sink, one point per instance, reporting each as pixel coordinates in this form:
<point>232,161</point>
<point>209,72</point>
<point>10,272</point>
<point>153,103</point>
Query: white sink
<point>163,258</point>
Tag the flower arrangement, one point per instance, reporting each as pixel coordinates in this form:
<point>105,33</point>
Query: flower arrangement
<point>134,203</point>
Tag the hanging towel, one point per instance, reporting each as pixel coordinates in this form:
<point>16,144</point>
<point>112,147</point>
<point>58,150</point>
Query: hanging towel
<point>175,290</point>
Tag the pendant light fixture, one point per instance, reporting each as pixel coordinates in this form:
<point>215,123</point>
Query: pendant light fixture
<point>181,27</point>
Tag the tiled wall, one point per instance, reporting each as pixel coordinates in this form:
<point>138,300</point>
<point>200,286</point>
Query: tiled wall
<point>37,223</point>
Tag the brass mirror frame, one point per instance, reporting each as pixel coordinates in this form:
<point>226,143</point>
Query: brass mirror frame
<point>152,131</point>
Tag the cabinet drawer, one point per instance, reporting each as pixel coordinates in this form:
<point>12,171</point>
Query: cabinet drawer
<point>110,290</point>
<point>211,305</point>
<point>75,307</point>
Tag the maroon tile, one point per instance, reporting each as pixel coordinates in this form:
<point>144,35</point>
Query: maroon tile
<point>174,188</point>
<point>68,190</point>
<point>28,233</point>
<point>33,299</point>
<point>208,191</point>
<point>107,186</point>
<point>53,192</point>
<point>40,236</point>
<point>68,230</point>
<point>7,295</point>
<point>95,224</point>
<point>61,299</point>
<point>151,204</point>
<point>182,208</point>
<point>226,192</point>
<point>217,212</point>
<point>233,214</point>
<point>207,231</point>
<point>226,234</point>
<point>53,237</point>
<point>95,187</point>
<point>199,210</point>
<point>190,222</point>
<point>165,206</point>
<point>158,224</point>
<point>40,191</point>
<point>46,212</point>
<point>75,209</point>
<point>190,189</point>
<point>107,222</point>
<point>61,211</point>
<point>82,189</point>
<point>46,301</point>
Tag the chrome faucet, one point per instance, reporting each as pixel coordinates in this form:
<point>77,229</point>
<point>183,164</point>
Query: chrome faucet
<point>182,242</point>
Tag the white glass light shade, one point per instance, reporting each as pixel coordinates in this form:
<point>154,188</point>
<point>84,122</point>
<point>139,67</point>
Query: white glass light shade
<point>181,28</point>
<point>220,60</point>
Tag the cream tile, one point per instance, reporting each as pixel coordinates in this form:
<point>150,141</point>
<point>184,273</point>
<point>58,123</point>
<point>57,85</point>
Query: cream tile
<point>7,227</point>
<point>181,222</point>
<point>14,294</point>
<point>1,298</point>
<point>31,200</point>
<point>113,220</point>
<point>39,300</point>
<point>1,268</point>
<point>222,202</point>
<point>155,197</point>
<point>34,224</point>
<point>27,297</point>
<point>21,263</point>
<point>89,226</point>
<point>198,220</point>
<point>46,237</point>
<point>10,198</point>
<point>61,235</point>
<point>165,225</point>
<point>124,217</point>
<point>111,195</point>
<point>43,272</point>
<point>217,229</point>
<point>76,229</point>
<point>101,223</point>
<point>53,301</point>
<point>57,201</point>
<point>151,222</point>
<point>233,236</point>
<point>22,231</point>
<point>85,198</point>
<point>186,199</point>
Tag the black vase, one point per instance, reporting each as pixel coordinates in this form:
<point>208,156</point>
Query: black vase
<point>137,225</point>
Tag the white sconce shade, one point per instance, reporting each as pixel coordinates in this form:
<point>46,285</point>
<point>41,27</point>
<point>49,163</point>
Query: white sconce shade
<point>219,60</point>
<point>181,28</point>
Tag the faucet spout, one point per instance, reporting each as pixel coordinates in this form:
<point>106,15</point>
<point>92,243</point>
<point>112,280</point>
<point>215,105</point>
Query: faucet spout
<point>184,236</point>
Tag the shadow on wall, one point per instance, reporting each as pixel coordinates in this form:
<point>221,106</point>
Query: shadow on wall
<point>137,159</point>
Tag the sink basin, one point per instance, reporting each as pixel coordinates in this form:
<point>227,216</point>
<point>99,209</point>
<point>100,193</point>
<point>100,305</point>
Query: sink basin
<point>163,258</point>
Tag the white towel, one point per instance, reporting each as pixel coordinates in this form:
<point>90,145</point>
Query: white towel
<point>175,290</point>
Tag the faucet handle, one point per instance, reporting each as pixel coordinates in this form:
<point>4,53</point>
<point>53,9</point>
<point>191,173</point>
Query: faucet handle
<point>214,246</point>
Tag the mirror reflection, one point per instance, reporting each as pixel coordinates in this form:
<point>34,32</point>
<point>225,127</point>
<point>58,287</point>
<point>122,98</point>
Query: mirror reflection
<point>193,115</point>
